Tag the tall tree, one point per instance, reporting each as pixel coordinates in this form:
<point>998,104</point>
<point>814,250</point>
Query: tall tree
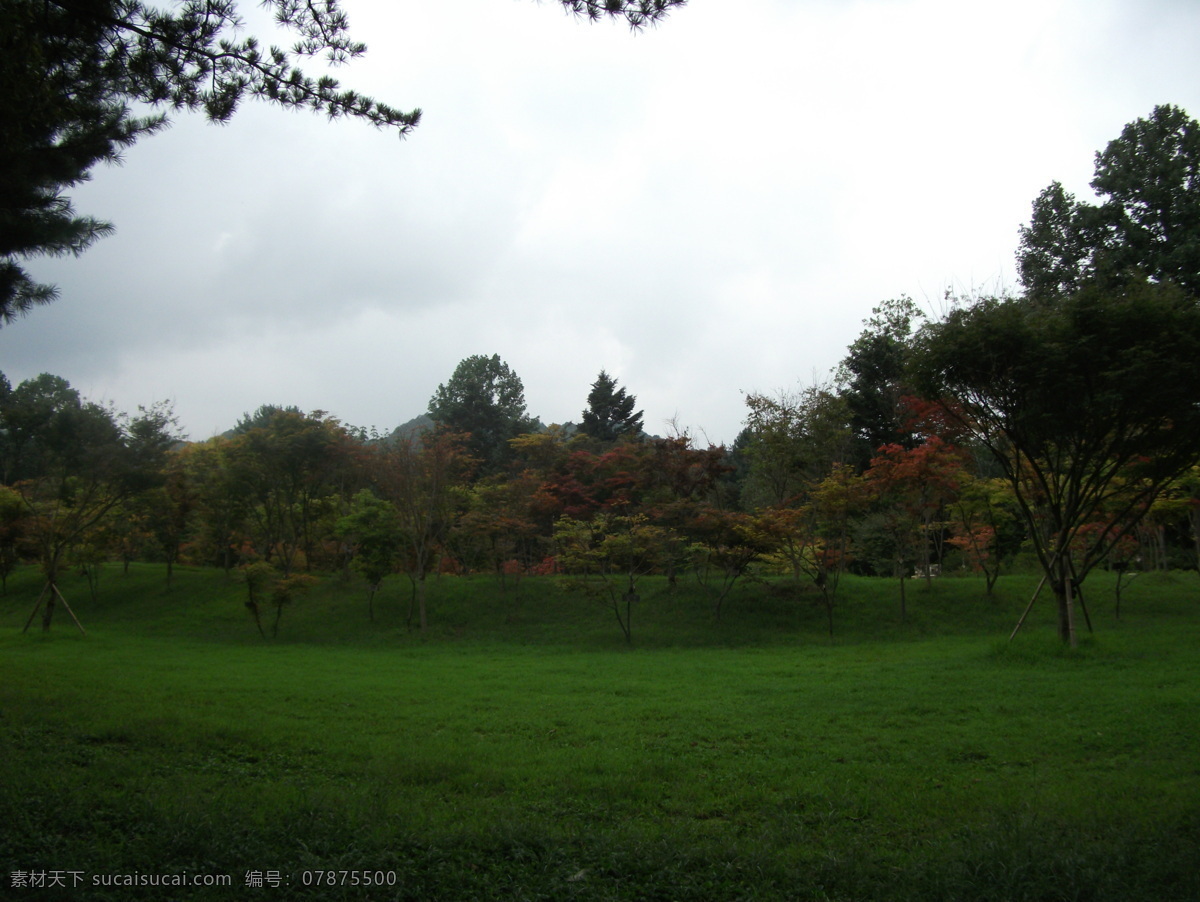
<point>1088,404</point>
<point>485,399</point>
<point>421,478</point>
<point>1147,223</point>
<point>872,378</point>
<point>610,415</point>
<point>62,113</point>
<point>222,499</point>
<point>792,441</point>
<point>289,465</point>
<point>72,71</point>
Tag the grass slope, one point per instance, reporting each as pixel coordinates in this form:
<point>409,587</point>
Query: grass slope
<point>522,751</point>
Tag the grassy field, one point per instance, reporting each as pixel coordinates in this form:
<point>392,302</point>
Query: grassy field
<point>521,750</point>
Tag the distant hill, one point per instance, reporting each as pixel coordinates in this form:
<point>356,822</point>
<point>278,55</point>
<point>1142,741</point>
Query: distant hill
<point>418,425</point>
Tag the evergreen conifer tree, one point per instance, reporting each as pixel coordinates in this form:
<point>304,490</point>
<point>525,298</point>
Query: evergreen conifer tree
<point>610,415</point>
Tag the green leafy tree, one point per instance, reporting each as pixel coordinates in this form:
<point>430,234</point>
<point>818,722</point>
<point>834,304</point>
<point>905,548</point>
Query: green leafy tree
<point>1146,224</point>
<point>1088,405</point>
<point>423,478</point>
<point>222,501</point>
<point>37,414</point>
<point>73,71</point>
<point>284,591</point>
<point>872,378</point>
<point>289,463</point>
<point>606,556</point>
<point>167,509</point>
<point>372,526</point>
<point>1190,484</point>
<point>813,534</point>
<point>485,400</point>
<point>75,463</point>
<point>499,530</point>
<point>12,533</point>
<point>792,441</point>
<point>266,585</point>
<point>610,413</point>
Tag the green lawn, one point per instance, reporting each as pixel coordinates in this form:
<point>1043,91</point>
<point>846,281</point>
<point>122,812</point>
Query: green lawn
<point>522,751</point>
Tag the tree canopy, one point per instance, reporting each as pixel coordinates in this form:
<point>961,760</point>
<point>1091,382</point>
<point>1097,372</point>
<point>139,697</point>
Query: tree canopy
<point>872,376</point>
<point>610,414</point>
<point>485,399</point>
<point>1088,404</point>
<point>1148,221</point>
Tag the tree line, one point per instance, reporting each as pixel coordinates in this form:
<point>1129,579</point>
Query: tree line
<point>1062,422</point>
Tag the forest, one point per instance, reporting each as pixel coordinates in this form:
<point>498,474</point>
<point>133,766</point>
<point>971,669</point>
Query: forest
<point>1060,424</point>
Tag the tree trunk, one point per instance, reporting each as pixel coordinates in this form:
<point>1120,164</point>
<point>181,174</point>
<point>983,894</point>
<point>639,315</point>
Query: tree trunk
<point>51,571</point>
<point>253,606</point>
<point>423,620</point>
<point>1065,600</point>
<point>48,609</point>
<point>1194,520</point>
<point>627,623</point>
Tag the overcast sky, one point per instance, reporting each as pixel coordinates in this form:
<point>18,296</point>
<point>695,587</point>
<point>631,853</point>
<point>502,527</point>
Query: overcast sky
<point>705,209</point>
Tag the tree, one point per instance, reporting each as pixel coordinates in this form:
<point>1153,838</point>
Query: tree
<point>607,555</point>
<point>912,486</point>
<point>1148,223</point>
<point>167,509</point>
<point>485,400</point>
<point>983,525</point>
<point>288,463</point>
<point>610,415</point>
<point>724,544</point>
<point>872,378</point>
<point>12,531</point>
<point>792,441</point>
<point>1088,405</point>
<point>74,464</point>
<point>1191,485</point>
<point>258,576</point>
<point>222,501</point>
<point>36,415</point>
<point>499,529</point>
<point>72,71</point>
<point>1057,243</point>
<point>832,505</point>
<point>63,112</point>
<point>813,534</point>
<point>372,526</point>
<point>421,478</point>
